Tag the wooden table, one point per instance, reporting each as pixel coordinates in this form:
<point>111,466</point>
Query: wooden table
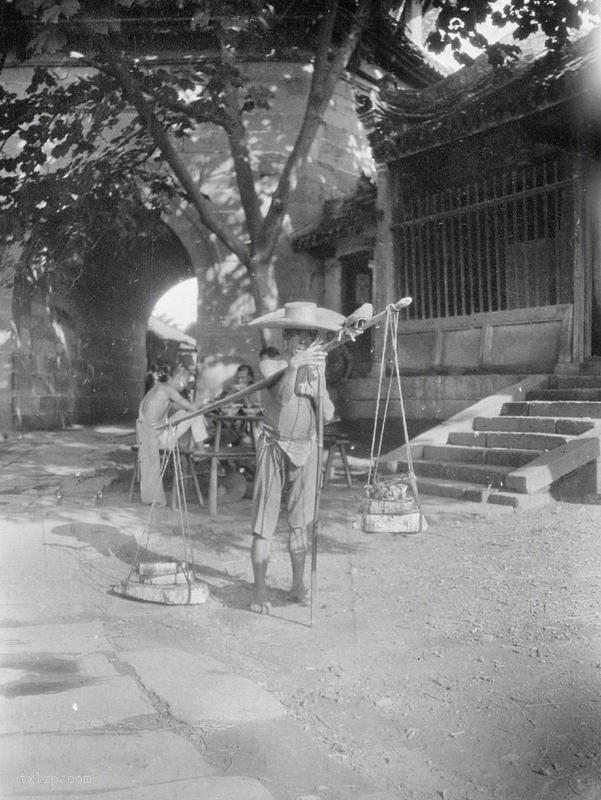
<point>217,453</point>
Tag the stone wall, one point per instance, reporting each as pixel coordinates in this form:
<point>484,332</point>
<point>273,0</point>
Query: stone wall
<point>74,352</point>
<point>77,354</point>
<point>66,366</point>
<point>339,155</point>
<point>428,401</point>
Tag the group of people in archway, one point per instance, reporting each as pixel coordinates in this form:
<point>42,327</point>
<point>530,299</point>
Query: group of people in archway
<point>169,395</point>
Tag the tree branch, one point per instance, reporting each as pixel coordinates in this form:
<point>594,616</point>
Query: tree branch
<point>236,133</point>
<point>325,76</point>
<point>245,179</point>
<point>199,110</point>
<point>205,211</point>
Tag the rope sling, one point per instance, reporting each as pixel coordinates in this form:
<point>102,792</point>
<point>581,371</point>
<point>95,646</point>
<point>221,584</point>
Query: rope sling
<point>394,484</point>
<point>186,565</point>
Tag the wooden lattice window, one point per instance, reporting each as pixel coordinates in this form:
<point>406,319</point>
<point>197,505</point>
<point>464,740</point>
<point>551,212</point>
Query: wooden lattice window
<point>501,243</point>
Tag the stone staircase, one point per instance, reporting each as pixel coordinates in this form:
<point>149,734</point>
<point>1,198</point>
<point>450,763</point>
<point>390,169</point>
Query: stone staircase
<point>515,457</point>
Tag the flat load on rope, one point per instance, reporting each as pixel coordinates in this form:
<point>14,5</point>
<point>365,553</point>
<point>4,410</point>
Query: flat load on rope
<point>165,581</point>
<point>171,583</point>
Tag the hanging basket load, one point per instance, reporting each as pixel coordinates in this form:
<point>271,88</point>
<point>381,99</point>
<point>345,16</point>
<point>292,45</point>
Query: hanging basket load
<point>171,583</point>
<point>166,581</point>
<point>387,508</point>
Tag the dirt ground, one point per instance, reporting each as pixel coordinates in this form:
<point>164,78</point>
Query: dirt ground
<point>462,663</point>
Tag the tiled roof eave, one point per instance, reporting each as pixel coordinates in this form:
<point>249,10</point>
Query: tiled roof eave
<point>337,228</point>
<point>476,117</point>
<point>388,153</point>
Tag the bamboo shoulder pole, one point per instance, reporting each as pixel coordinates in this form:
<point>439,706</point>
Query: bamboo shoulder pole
<point>351,329</point>
<point>316,503</point>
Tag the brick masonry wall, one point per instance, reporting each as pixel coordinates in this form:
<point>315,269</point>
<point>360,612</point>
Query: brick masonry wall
<point>66,370</point>
<point>46,344</point>
<point>78,353</point>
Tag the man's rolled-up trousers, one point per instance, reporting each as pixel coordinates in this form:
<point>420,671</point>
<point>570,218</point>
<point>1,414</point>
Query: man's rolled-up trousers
<point>275,474</point>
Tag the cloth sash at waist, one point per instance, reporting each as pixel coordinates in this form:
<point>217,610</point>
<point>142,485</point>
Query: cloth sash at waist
<point>297,450</point>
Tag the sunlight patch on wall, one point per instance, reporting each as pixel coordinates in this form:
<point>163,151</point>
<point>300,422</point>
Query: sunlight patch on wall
<point>59,333</point>
<point>178,305</point>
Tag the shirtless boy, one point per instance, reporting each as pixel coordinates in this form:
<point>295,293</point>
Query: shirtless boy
<point>153,414</point>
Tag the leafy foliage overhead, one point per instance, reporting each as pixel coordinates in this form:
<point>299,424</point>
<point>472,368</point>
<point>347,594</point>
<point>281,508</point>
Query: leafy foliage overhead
<point>461,21</point>
<point>118,115</point>
<point>151,72</point>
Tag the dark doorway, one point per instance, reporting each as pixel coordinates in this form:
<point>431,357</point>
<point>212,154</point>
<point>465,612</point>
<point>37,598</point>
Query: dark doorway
<point>356,290</point>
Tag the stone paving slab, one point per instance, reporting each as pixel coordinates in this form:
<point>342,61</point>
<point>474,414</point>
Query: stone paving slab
<point>16,614</point>
<point>262,748</point>
<point>94,703</point>
<point>77,637</point>
<point>96,762</point>
<point>230,788</point>
<point>201,690</point>
<point>52,668</point>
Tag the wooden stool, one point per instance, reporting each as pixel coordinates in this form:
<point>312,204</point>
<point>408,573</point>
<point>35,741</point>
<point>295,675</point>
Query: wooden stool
<point>331,443</point>
<point>214,457</point>
<point>188,472</point>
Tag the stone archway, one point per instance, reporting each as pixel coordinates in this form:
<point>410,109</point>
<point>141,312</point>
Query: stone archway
<point>78,347</point>
<point>167,341</point>
<point>118,307</point>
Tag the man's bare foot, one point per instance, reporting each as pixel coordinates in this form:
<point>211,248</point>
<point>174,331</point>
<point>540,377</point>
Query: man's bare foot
<point>260,605</point>
<point>299,594</point>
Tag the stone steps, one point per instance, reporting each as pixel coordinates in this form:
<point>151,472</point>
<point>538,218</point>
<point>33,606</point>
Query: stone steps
<point>483,455</point>
<point>514,458</point>
<point>462,490</point>
<point>588,409</point>
<point>566,393</point>
<point>575,381</point>
<point>536,442</point>
<point>541,473</point>
<point>531,424</point>
<point>481,474</point>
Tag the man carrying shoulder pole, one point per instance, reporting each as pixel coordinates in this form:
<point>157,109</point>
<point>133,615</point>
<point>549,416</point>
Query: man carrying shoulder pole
<point>288,451</point>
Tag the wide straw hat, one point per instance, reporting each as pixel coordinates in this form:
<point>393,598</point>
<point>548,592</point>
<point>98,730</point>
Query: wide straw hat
<point>301,314</point>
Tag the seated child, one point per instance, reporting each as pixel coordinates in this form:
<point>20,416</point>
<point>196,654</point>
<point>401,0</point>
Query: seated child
<point>152,415</point>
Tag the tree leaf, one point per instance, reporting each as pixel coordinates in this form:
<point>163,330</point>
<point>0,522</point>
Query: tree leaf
<point>70,7</point>
<point>50,40</point>
<point>66,8</point>
<point>200,20</point>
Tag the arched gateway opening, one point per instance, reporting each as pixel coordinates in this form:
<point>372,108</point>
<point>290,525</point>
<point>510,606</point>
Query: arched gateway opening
<point>124,306</point>
<point>170,336</point>
<point>79,350</point>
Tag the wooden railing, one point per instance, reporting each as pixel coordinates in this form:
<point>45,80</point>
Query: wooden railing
<point>499,244</point>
